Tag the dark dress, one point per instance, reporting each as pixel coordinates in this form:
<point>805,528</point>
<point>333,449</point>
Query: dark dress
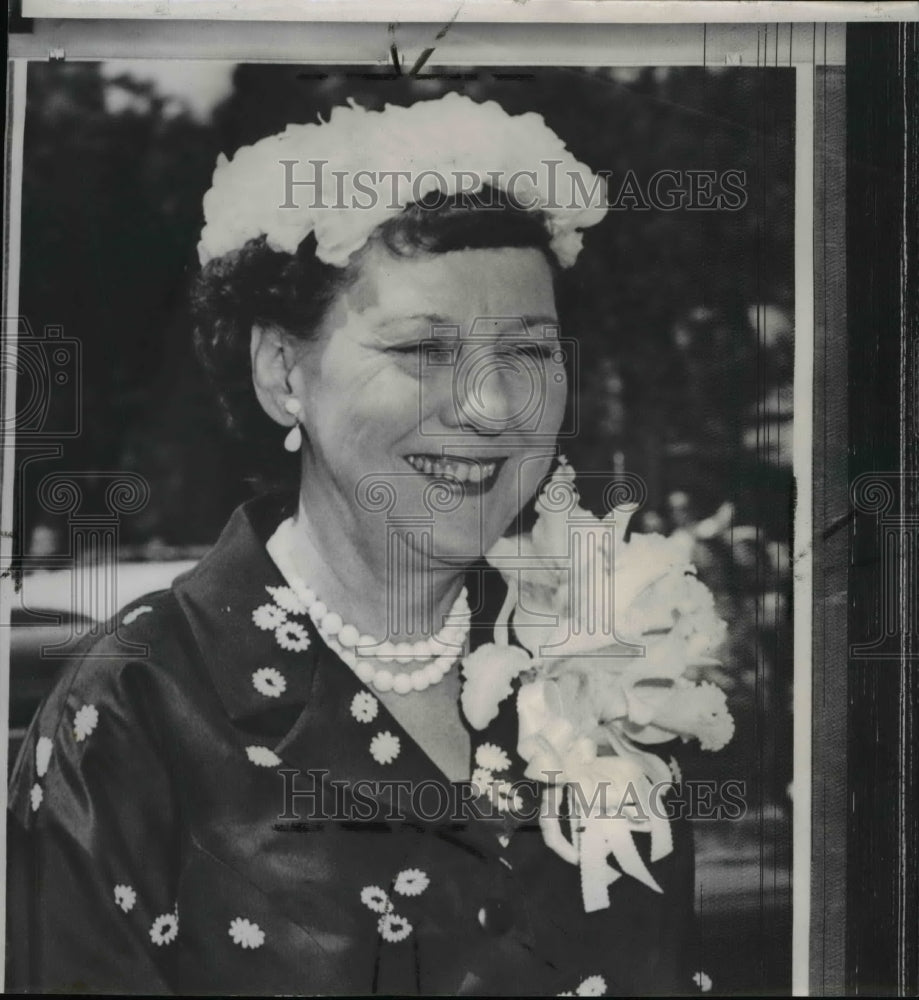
<point>155,845</point>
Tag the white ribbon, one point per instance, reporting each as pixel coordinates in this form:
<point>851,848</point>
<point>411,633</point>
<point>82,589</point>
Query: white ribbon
<point>609,797</point>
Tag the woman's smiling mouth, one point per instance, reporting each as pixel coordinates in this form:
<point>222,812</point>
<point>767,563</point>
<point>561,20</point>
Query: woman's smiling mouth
<point>473,474</point>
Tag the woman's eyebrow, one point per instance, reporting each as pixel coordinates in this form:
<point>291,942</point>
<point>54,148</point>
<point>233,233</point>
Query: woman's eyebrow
<point>444,326</point>
<point>532,324</point>
<point>431,319</point>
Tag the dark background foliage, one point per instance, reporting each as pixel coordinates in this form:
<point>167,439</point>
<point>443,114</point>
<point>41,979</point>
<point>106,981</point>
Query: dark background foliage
<point>683,321</point>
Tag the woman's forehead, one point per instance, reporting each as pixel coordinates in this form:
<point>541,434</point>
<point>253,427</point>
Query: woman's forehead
<point>454,287</point>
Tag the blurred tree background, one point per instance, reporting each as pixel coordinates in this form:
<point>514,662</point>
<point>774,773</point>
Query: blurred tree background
<point>683,321</point>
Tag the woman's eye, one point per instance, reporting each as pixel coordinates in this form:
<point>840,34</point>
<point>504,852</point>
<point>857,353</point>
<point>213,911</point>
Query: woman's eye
<point>541,351</point>
<point>406,350</point>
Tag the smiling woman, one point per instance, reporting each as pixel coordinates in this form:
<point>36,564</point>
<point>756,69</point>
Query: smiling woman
<point>372,403</point>
<point>409,355</point>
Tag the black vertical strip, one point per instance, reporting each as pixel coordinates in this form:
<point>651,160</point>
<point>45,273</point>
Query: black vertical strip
<point>909,429</point>
<point>416,963</point>
<point>882,66</point>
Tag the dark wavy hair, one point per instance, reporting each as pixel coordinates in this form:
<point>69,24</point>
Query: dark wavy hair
<point>256,285</point>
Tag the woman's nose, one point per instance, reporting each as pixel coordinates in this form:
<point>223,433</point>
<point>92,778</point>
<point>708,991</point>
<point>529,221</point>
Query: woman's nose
<point>495,389</point>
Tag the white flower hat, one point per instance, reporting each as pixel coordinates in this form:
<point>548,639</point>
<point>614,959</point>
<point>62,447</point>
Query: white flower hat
<point>342,178</point>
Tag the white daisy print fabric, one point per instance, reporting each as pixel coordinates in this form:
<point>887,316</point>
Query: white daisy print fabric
<point>703,980</point>
<point>269,682</point>
<point>268,617</point>
<point>375,899</point>
<point>393,928</point>
<point>125,897</point>
<point>165,929</point>
<point>385,747</point>
<point>84,722</point>
<point>246,934</point>
<point>292,636</point>
<point>592,986</point>
<point>364,707</point>
<point>262,756</point>
<point>43,750</point>
<point>411,882</point>
<point>287,600</point>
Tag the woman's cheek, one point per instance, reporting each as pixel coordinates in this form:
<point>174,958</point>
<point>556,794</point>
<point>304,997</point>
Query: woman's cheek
<point>528,474</point>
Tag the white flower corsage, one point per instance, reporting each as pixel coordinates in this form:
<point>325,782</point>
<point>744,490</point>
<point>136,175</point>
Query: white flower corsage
<point>612,635</point>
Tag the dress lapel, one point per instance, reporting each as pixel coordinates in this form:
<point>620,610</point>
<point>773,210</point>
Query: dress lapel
<point>219,597</point>
<point>308,706</point>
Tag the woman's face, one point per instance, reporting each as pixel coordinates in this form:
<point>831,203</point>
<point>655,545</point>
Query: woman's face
<point>441,376</point>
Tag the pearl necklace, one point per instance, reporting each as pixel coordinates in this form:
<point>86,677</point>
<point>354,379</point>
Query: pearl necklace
<point>356,648</point>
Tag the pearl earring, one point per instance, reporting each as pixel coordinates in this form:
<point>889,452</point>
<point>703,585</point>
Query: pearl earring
<point>294,437</point>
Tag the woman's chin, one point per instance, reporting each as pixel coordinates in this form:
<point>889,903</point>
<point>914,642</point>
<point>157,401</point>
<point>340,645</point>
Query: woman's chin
<point>460,536</point>
<point>465,539</point>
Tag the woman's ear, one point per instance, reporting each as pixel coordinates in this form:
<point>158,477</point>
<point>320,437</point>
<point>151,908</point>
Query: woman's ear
<point>272,360</point>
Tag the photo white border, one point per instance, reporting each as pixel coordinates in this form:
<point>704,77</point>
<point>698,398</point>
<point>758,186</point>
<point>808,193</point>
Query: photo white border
<point>15,122</point>
<point>766,44</point>
<point>762,45</point>
<point>510,11</point>
<point>802,556</point>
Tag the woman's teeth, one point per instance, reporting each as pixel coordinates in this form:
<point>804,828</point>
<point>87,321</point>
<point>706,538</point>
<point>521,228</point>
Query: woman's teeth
<point>461,471</point>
